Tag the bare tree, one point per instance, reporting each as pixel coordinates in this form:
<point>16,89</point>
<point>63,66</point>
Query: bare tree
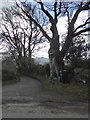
<point>52,13</point>
<point>74,31</point>
<point>20,34</point>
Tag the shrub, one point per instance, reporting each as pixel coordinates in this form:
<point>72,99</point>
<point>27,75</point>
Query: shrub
<point>9,65</point>
<point>80,63</point>
<point>88,62</point>
<point>82,73</point>
<point>8,76</point>
<point>9,70</point>
<point>38,69</point>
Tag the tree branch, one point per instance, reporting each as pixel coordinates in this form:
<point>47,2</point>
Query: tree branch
<point>55,11</point>
<point>8,34</point>
<point>81,31</point>
<point>86,23</point>
<point>40,27</point>
<point>46,12</point>
<point>81,8</point>
<point>59,9</point>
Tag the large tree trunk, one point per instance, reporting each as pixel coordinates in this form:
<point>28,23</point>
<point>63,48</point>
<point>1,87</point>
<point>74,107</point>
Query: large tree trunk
<point>56,63</point>
<point>19,60</point>
<point>68,40</point>
<point>55,56</point>
<point>55,59</point>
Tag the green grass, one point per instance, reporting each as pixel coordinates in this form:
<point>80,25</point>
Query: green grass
<point>72,89</point>
<point>67,89</point>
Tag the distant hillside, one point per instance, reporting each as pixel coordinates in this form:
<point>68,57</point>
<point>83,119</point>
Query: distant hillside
<point>41,60</point>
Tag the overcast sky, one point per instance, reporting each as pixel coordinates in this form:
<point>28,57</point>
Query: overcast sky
<point>6,3</point>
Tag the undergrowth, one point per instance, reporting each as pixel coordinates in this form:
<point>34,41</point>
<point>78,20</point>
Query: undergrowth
<point>72,89</point>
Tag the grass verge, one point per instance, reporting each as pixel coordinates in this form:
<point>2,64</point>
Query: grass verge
<point>8,82</point>
<point>79,91</point>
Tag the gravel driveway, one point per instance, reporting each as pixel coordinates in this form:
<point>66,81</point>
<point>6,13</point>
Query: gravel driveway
<point>27,99</point>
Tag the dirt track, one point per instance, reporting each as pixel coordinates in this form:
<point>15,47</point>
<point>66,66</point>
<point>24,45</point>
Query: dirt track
<point>27,99</point>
